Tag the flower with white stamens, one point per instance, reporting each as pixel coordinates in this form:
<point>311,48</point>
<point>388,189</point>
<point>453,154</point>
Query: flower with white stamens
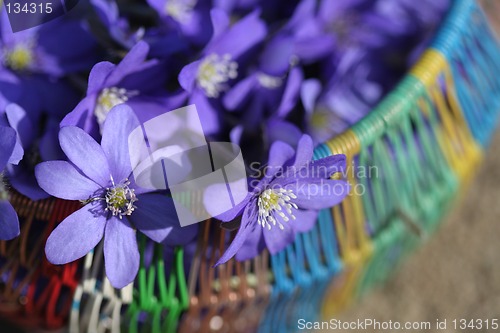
<point>273,201</point>
<point>214,72</point>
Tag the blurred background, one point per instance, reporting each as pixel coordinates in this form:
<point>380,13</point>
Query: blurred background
<point>457,273</point>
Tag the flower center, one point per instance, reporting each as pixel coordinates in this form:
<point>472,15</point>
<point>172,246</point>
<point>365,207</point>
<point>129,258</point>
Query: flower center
<point>120,199</point>
<point>320,118</point>
<point>19,58</point>
<point>275,201</point>
<point>269,82</point>
<point>109,98</point>
<point>324,123</point>
<point>214,72</point>
<point>180,10</point>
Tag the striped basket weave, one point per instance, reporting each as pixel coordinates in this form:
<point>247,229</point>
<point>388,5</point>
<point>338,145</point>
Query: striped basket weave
<point>426,139</point>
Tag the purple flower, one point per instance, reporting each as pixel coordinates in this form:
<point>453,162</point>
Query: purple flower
<point>190,17</point>
<point>311,41</point>
<point>353,90</point>
<point>135,81</point>
<point>9,222</point>
<point>356,24</point>
<point>117,27</point>
<point>272,90</point>
<point>37,148</point>
<point>36,93</point>
<point>207,78</point>
<point>285,201</point>
<point>99,176</point>
<point>56,48</point>
<point>427,13</point>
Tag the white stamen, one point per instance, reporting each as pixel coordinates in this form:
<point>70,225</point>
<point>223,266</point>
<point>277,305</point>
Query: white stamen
<point>180,10</point>
<point>109,98</point>
<point>120,199</point>
<point>272,202</point>
<point>214,72</point>
<point>269,82</point>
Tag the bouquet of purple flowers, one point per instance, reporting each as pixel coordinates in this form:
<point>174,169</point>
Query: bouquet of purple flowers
<point>273,77</point>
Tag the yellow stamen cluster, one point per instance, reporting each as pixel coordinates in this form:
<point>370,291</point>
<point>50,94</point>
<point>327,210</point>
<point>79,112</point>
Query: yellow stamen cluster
<point>120,199</point>
<point>19,58</point>
<point>214,72</point>
<point>275,201</point>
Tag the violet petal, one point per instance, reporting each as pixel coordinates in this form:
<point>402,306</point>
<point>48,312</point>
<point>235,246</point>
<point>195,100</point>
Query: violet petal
<point>76,235</point>
<point>248,220</point>
<point>120,122</point>
<point>277,239</point>
<point>85,153</point>
<point>304,220</point>
<point>62,180</point>
<point>9,222</point>
<point>121,254</point>
<point>318,193</point>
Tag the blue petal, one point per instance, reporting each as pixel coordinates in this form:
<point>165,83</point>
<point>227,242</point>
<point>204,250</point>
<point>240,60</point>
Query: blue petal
<point>220,22</point>
<point>281,130</point>
<point>309,93</point>
<point>279,154</point>
<point>305,10</point>
<point>277,239</point>
<point>98,76</point>
<point>239,94</point>
<point>76,235</point>
<point>209,115</point>
<point>275,59</point>
<point>304,152</point>
<point>326,167</point>
<point>242,36</point>
<point>318,193</point>
<point>18,120</point>
<point>121,254</point>
<point>248,220</point>
<point>82,115</point>
<point>9,223</point>
<point>62,180</point>
<point>188,74</point>
<point>134,61</point>
<point>304,220</point>
<point>85,153</point>
<point>120,122</point>
<point>291,94</point>
<point>7,142</point>
<point>253,244</point>
<point>312,49</point>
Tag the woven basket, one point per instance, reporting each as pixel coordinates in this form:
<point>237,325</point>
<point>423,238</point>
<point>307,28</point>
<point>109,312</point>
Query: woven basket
<point>426,139</point>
